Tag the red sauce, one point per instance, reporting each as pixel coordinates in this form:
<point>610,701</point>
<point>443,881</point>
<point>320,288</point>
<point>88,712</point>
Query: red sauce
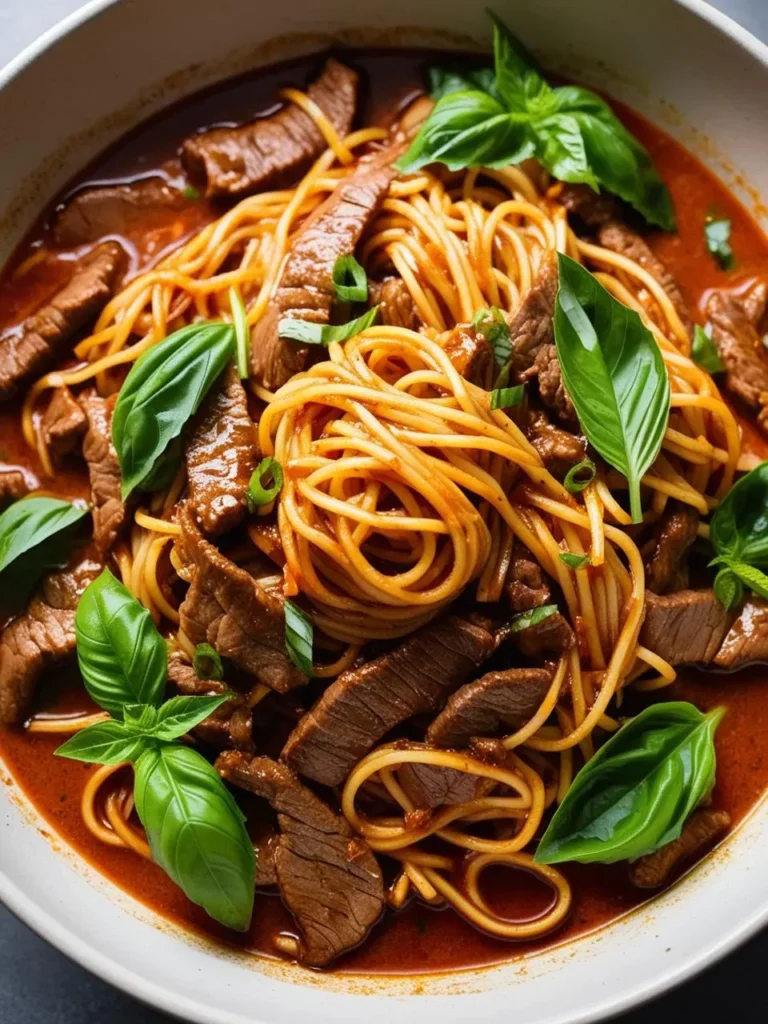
<point>417,939</point>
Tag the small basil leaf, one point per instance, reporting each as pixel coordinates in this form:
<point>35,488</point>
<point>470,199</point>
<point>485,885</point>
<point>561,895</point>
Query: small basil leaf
<point>350,280</point>
<point>506,398</point>
<point>298,637</point>
<point>180,715</point>
<point>242,333</point>
<point>265,484</point>
<point>519,79</point>
<point>493,326</point>
<point>717,232</point>
<point>532,617</point>
<point>103,743</point>
<point>560,147</point>
<point>163,390</point>
<point>139,717</point>
<point>445,80</point>
<point>614,373</point>
<point>637,792</point>
<point>574,561</point>
<point>121,655</point>
<point>738,529</point>
<point>580,476</point>
<point>207,663</point>
<point>728,588</point>
<point>323,334</point>
<point>36,535</point>
<point>196,832</point>
<point>754,578</point>
<point>704,351</point>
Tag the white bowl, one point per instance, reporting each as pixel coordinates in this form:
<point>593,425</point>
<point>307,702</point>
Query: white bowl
<point>81,86</point>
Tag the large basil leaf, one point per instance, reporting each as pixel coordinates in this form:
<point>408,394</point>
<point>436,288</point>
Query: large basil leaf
<point>36,535</point>
<point>739,526</point>
<point>122,656</point>
<point>179,715</point>
<point>104,743</point>
<point>614,373</point>
<point>444,80</point>
<point>636,793</point>
<point>196,832</point>
<point>163,390</point>
<point>519,78</point>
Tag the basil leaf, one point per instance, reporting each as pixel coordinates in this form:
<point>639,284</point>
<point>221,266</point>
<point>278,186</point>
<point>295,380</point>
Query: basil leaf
<point>574,561</point>
<point>717,232</point>
<point>323,334</point>
<point>614,373</point>
<point>36,535</point>
<point>493,325</point>
<point>190,192</point>
<point>350,280</point>
<point>561,149</point>
<point>103,743</point>
<point>242,333</point>
<point>260,492</point>
<point>519,78</point>
<point>196,832</point>
<point>580,476</point>
<point>180,715</point>
<point>445,80</point>
<point>299,635</point>
<point>636,793</point>
<point>532,617</point>
<point>140,717</point>
<point>704,351</point>
<point>728,589</point>
<point>122,656</point>
<point>163,390</point>
<point>506,398</point>
<point>755,579</point>
<point>207,663</point>
<point>469,129</point>
<point>738,529</point>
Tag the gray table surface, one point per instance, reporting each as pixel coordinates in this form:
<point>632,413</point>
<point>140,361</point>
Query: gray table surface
<point>40,986</point>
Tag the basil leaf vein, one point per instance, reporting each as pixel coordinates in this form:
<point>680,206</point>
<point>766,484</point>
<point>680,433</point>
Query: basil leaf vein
<point>242,333</point>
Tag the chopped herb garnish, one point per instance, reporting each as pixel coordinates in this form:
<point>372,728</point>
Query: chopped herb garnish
<point>717,232</point>
<point>298,637</point>
<point>579,476</point>
<point>495,329</point>
<point>532,617</point>
<point>505,398</point>
<point>350,280</point>
<point>190,192</point>
<point>704,352</point>
<point>323,334</point>
<point>574,561</point>
<point>207,663</point>
<point>265,484</point>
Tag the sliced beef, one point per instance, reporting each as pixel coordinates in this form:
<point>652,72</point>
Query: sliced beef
<point>266,537</point>
<point>229,609</point>
<point>231,724</point>
<point>431,785</point>
<point>526,584</point>
<point>266,845</point>
<point>221,455</point>
<point>108,509</point>
<point>548,639</point>
<point>44,337</point>
<point>40,638</point>
<point>685,628</point>
<point>559,449</point>
<point>64,423</point>
<point>328,877</point>
<point>747,639</point>
<point>365,703</point>
<point>621,239</point>
<point>95,213</point>
<point>590,207</point>
<point>754,302</point>
<point>702,828</point>
<point>509,698</point>
<point>271,151</point>
<point>676,531</point>
<point>13,485</point>
<point>396,307</point>
<point>305,290</point>
<point>471,354</point>
<point>741,349</point>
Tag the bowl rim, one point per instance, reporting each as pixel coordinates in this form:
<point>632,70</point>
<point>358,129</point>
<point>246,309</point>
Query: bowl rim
<point>88,956</point>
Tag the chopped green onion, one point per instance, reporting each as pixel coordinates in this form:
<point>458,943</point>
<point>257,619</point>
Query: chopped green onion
<point>298,637</point>
<point>260,491</point>
<point>505,398</point>
<point>704,351</point>
<point>493,326</point>
<point>323,334</point>
<point>242,332</point>
<point>532,617</point>
<point>207,663</point>
<point>350,280</point>
<point>190,192</point>
<point>579,476</point>
<point>574,561</point>
<point>717,232</point>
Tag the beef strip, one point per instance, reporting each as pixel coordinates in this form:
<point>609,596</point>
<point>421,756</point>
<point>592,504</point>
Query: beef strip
<point>396,307</point>
<point>95,213</point>
<point>221,455</point>
<point>266,845</point>
<point>229,609</point>
<point>43,337</point>
<point>754,302</point>
<point>13,485</point>
<point>508,698</point>
<point>266,537</point>
<point>471,354</point>
<point>431,786</point>
<point>559,449</point>
<point>108,509</point>
<point>365,703</point>
<point>675,532</point>
<point>621,239</point>
<point>590,207</point>
<point>747,639</point>
<point>305,290</point>
<point>701,829</point>
<point>231,724</point>
<point>685,628</point>
<point>64,423</point>
<point>40,638</point>
<point>550,638</point>
<point>526,585</point>
<point>271,151</point>
<point>328,877</point>
<point>741,350</point>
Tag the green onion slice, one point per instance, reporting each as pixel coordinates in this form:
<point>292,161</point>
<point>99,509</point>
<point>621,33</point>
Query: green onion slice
<point>298,637</point>
<point>242,332</point>
<point>505,398</point>
<point>580,476</point>
<point>207,663</point>
<point>323,334</point>
<point>350,280</point>
<point>265,484</point>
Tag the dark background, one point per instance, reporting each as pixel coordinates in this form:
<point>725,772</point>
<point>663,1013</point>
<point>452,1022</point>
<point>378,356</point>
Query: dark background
<point>38,985</point>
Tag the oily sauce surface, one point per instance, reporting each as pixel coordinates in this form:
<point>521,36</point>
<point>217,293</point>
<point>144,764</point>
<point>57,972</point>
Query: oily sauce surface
<point>417,939</point>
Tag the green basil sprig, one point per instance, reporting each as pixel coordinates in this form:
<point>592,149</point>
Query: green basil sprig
<point>350,280</point>
<point>614,373</point>
<point>738,531</point>
<point>704,351</point>
<point>636,793</point>
<point>299,636</point>
<point>323,334</point>
<point>484,119</point>
<point>35,536</point>
<point>717,232</point>
<point>162,391</point>
<point>195,830</point>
